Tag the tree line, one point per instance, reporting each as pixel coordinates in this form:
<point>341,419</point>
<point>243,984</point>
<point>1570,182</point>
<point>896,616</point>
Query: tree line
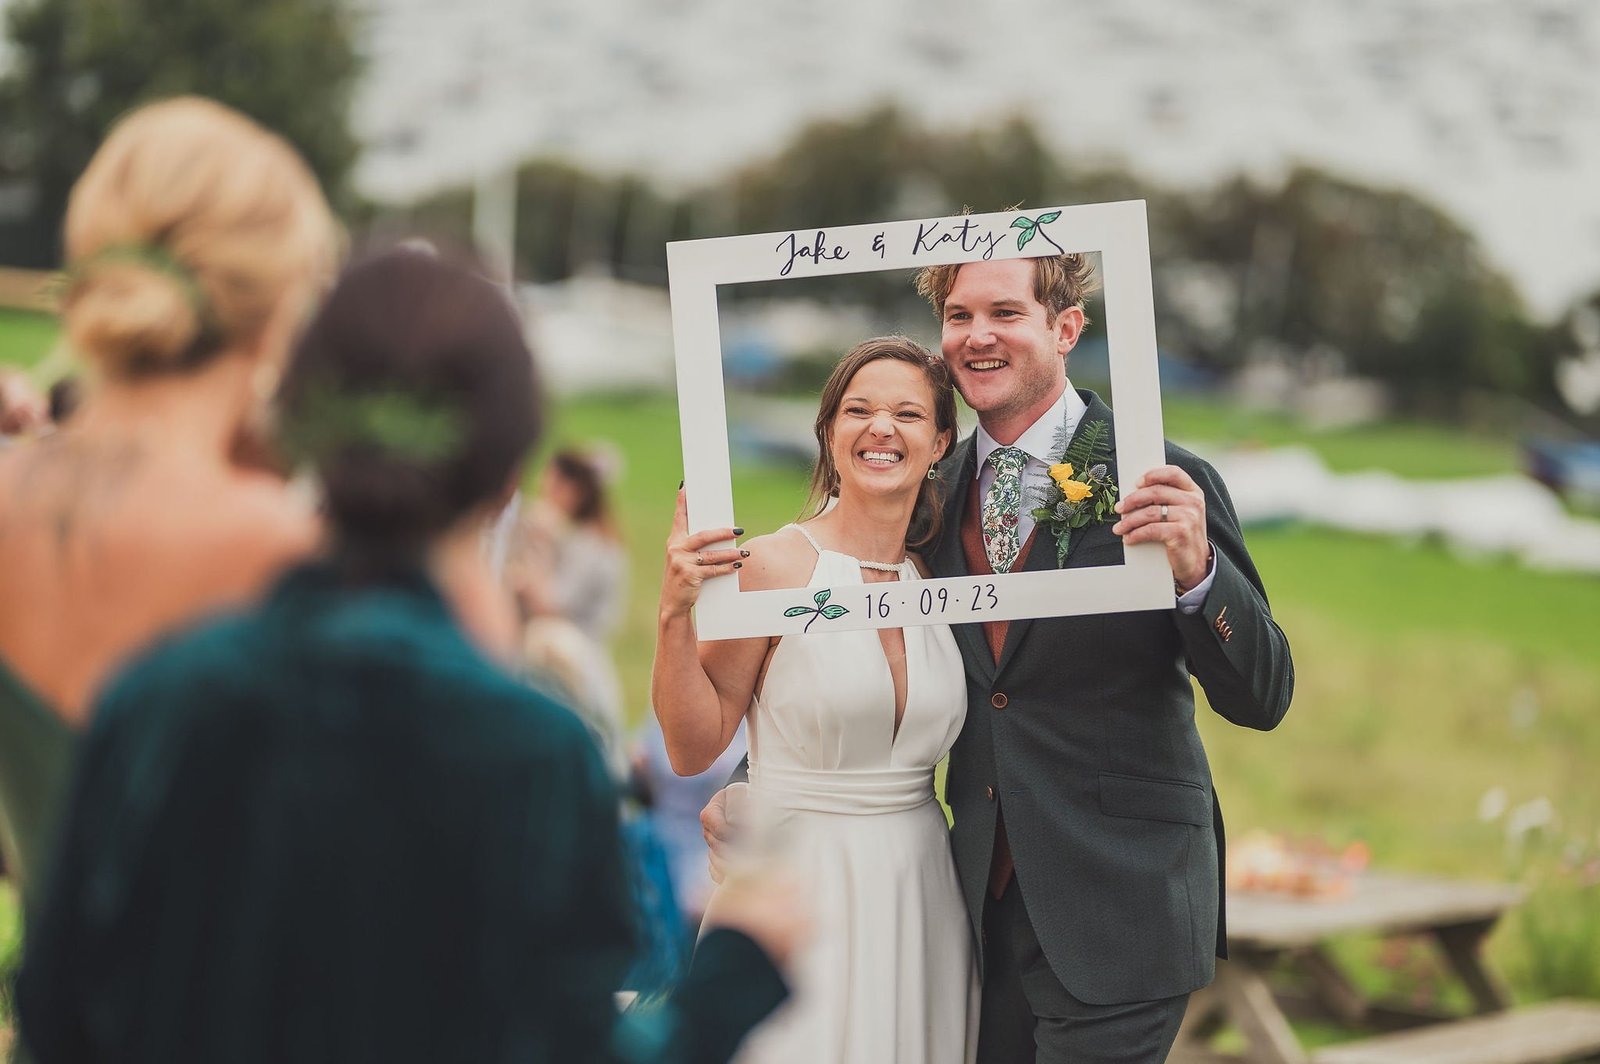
<point>1315,269</point>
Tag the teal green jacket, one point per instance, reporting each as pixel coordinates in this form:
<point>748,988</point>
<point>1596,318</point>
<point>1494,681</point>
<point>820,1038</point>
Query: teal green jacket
<point>329,830</point>
<point>36,749</point>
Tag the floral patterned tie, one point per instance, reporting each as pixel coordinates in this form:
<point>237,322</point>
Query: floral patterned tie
<point>1002,506</point>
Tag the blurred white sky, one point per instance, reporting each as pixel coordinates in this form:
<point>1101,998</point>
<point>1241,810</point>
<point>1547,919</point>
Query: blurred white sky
<point>1490,107</point>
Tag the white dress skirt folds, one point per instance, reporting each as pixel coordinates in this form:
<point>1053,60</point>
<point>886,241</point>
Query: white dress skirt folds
<point>846,805</point>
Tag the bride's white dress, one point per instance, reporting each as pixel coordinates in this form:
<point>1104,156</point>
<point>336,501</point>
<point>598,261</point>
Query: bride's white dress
<point>889,976</point>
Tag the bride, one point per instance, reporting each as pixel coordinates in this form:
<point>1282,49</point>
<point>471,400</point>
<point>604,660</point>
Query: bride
<point>845,726</point>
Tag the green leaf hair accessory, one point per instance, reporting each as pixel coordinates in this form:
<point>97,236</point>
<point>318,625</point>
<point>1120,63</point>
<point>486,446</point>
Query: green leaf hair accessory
<point>413,427</point>
<point>152,257</point>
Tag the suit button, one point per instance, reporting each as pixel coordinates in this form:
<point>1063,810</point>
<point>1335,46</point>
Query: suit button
<point>990,792</point>
<point>998,700</point>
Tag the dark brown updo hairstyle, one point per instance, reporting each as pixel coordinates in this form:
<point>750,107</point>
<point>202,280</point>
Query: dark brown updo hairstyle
<point>412,396</point>
<point>927,518</point>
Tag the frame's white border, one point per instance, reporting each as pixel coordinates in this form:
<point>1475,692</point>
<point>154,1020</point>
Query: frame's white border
<point>1116,230</point>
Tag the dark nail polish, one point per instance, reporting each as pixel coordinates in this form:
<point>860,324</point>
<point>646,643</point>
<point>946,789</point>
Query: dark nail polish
<point>680,485</point>
<point>738,531</point>
<point>738,565</point>
<point>744,554</point>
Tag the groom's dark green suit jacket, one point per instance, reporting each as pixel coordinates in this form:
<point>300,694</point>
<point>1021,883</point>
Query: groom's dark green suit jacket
<point>1108,803</point>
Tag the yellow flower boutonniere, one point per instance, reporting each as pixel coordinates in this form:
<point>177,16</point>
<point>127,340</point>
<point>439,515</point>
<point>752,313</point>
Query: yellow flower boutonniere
<point>1075,490</point>
<point>1077,497</point>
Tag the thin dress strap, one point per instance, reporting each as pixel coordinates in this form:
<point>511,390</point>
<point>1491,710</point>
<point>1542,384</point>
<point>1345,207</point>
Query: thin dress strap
<point>809,537</point>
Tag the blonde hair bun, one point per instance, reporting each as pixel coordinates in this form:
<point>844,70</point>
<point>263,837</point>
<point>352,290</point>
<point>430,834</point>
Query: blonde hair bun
<point>189,229</point>
<point>132,318</point>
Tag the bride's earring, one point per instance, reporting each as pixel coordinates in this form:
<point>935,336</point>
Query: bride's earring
<point>933,471</point>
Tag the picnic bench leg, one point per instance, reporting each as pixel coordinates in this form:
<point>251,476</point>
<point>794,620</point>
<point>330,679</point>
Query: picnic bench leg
<point>1463,947</point>
<point>1252,1008</point>
<point>1201,1017</point>
<point>1332,987</point>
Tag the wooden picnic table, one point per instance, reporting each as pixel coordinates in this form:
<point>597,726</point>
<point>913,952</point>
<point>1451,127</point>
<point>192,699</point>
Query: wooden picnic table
<point>1272,934</point>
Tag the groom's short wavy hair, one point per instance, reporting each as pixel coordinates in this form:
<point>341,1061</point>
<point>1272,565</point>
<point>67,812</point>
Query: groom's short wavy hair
<point>1059,282</point>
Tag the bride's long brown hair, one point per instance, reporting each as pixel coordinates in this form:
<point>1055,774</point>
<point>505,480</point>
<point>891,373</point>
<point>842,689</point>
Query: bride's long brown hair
<point>927,518</point>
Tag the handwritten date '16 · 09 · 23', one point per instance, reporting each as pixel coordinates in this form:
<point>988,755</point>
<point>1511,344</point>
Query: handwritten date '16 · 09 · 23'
<point>929,603</point>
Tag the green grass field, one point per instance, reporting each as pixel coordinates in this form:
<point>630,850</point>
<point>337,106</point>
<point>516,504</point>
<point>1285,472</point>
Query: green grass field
<point>1424,681</point>
<point>1409,448</point>
<point>25,338</point>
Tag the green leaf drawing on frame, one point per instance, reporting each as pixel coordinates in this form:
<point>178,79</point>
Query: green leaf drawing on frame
<point>1031,227</point>
<point>822,609</point>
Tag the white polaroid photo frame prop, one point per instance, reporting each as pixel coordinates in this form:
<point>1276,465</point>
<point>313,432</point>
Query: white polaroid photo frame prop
<point>695,268</point>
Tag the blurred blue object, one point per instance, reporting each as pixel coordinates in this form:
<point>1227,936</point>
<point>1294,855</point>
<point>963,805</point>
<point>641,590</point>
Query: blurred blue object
<point>752,443</point>
<point>1569,467</point>
<point>749,358</point>
<point>1089,365</point>
<point>663,938</point>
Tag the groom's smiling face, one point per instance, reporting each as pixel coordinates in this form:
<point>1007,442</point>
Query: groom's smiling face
<point>1005,350</point>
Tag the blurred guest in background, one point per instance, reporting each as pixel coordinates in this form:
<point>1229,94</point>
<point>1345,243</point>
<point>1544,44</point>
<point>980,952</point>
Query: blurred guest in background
<point>239,878</point>
<point>560,655</point>
<point>585,578</point>
<point>195,241</point>
<point>569,573</point>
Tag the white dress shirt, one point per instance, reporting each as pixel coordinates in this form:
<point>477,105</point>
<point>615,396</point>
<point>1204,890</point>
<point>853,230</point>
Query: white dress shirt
<point>1038,441</point>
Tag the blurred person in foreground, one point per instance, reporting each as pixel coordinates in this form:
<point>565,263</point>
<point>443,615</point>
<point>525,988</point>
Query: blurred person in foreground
<point>195,242</point>
<point>328,828</point>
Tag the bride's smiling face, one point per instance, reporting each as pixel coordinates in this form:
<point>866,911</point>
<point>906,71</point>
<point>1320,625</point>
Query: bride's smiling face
<point>883,436</point>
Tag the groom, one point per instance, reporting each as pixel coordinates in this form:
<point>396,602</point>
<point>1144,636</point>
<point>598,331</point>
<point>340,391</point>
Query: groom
<point>1087,835</point>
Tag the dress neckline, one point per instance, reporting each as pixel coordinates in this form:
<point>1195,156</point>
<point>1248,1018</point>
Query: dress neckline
<point>882,567</point>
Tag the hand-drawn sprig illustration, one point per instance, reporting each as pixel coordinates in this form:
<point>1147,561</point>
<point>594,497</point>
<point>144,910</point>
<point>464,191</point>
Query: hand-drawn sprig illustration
<point>1035,226</point>
<point>822,609</point>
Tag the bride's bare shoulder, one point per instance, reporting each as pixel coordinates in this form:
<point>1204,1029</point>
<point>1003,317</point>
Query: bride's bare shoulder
<point>777,560</point>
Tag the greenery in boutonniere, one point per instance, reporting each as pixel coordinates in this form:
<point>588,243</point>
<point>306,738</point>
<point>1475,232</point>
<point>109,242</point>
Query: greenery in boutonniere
<point>1081,489</point>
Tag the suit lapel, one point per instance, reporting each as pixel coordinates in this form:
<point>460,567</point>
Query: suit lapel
<point>945,559</point>
<point>1042,558</point>
<point>948,558</point>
